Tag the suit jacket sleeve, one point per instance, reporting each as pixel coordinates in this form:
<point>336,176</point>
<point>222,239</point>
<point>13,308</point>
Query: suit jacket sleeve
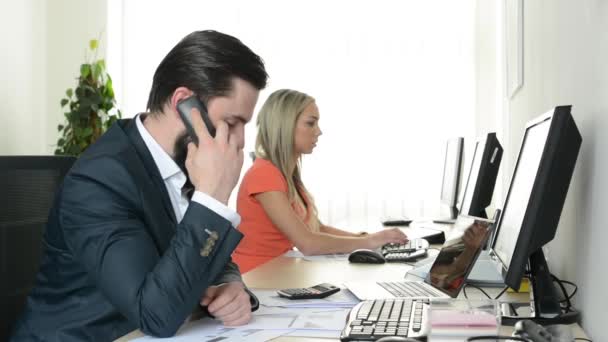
<point>232,273</point>
<point>104,229</point>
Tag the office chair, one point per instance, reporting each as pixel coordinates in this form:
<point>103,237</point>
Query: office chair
<point>27,189</point>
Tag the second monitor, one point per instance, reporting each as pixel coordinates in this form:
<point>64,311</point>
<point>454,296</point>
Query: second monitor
<point>452,165</point>
<point>481,180</point>
<point>479,186</point>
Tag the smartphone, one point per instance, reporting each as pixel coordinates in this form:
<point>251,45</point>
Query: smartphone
<point>184,108</point>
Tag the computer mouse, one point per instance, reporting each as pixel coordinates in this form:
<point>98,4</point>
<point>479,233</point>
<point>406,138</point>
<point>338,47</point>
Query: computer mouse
<point>366,256</point>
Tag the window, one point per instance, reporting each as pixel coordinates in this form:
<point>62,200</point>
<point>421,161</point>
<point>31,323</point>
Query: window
<point>393,80</point>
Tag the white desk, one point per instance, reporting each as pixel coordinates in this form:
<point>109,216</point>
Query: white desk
<point>284,272</point>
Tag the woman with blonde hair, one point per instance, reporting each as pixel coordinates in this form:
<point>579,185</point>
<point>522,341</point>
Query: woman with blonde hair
<point>277,212</point>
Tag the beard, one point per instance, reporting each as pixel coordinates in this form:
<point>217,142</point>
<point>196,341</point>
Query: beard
<point>180,151</point>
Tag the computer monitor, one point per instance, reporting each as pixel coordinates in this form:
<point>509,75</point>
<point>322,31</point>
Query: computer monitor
<point>533,207</point>
<point>479,187</point>
<point>452,165</point>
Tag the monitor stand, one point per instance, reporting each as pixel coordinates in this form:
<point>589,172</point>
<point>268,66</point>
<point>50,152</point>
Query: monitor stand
<point>544,302</point>
<point>448,220</point>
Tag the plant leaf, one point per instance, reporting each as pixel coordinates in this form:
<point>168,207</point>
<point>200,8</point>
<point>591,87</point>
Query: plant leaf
<point>78,132</point>
<point>85,70</point>
<point>109,88</point>
<point>93,44</point>
<point>64,102</point>
<point>87,132</point>
<point>80,91</point>
<point>74,150</point>
<point>59,127</point>
<point>69,92</point>
<point>97,69</point>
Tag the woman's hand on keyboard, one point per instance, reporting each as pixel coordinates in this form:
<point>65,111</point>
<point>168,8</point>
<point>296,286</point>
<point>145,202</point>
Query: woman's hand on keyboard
<point>392,235</point>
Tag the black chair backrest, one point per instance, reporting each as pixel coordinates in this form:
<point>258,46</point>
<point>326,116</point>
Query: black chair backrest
<point>27,189</point>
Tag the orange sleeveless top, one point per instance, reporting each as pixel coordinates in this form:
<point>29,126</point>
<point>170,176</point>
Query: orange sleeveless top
<point>262,240</point>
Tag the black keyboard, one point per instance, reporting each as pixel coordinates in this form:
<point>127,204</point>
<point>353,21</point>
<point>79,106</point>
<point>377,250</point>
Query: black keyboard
<point>374,319</point>
<point>408,289</point>
<point>408,247</point>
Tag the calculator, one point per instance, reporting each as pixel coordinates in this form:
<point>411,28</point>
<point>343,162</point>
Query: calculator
<point>313,292</point>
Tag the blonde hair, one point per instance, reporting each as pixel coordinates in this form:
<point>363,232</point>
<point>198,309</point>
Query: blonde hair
<point>276,124</point>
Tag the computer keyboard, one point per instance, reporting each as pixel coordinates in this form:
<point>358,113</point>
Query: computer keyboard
<point>374,319</point>
<point>405,257</point>
<point>409,251</point>
<point>408,289</point>
<point>410,246</point>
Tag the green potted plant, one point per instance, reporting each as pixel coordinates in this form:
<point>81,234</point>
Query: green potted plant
<point>90,107</point>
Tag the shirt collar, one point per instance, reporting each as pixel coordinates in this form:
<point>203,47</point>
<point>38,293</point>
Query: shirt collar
<point>166,165</point>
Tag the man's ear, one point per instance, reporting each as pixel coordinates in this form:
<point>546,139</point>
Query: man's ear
<point>179,94</point>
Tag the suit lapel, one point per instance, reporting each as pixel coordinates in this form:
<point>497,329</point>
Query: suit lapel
<point>130,128</point>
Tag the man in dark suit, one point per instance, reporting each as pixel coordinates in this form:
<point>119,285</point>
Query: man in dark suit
<point>125,248</point>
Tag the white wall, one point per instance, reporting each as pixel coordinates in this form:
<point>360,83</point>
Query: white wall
<point>22,76</point>
<point>43,44</point>
<point>565,54</point>
<point>488,87</point>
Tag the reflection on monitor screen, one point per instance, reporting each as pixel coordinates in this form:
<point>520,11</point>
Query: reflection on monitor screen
<point>458,254</point>
<point>521,188</point>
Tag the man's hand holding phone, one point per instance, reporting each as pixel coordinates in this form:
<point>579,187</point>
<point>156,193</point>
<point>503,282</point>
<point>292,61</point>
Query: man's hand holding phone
<point>214,166</point>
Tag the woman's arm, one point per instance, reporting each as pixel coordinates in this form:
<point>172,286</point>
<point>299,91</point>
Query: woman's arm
<point>338,232</point>
<point>278,208</point>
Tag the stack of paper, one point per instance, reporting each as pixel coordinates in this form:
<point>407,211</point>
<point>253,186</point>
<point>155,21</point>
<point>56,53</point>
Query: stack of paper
<point>265,325</point>
<point>322,318</point>
<point>211,330</point>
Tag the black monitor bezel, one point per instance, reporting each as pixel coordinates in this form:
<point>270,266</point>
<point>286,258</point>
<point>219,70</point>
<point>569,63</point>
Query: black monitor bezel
<point>548,192</point>
<point>520,253</point>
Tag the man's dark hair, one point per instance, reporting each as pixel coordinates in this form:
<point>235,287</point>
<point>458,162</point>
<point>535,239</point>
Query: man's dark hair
<point>205,62</point>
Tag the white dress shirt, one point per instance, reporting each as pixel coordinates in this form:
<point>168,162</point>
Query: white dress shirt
<point>175,179</point>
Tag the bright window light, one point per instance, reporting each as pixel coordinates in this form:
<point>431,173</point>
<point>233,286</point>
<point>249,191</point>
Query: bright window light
<point>393,81</point>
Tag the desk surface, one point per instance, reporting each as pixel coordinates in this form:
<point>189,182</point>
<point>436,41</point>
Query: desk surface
<point>284,272</point>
